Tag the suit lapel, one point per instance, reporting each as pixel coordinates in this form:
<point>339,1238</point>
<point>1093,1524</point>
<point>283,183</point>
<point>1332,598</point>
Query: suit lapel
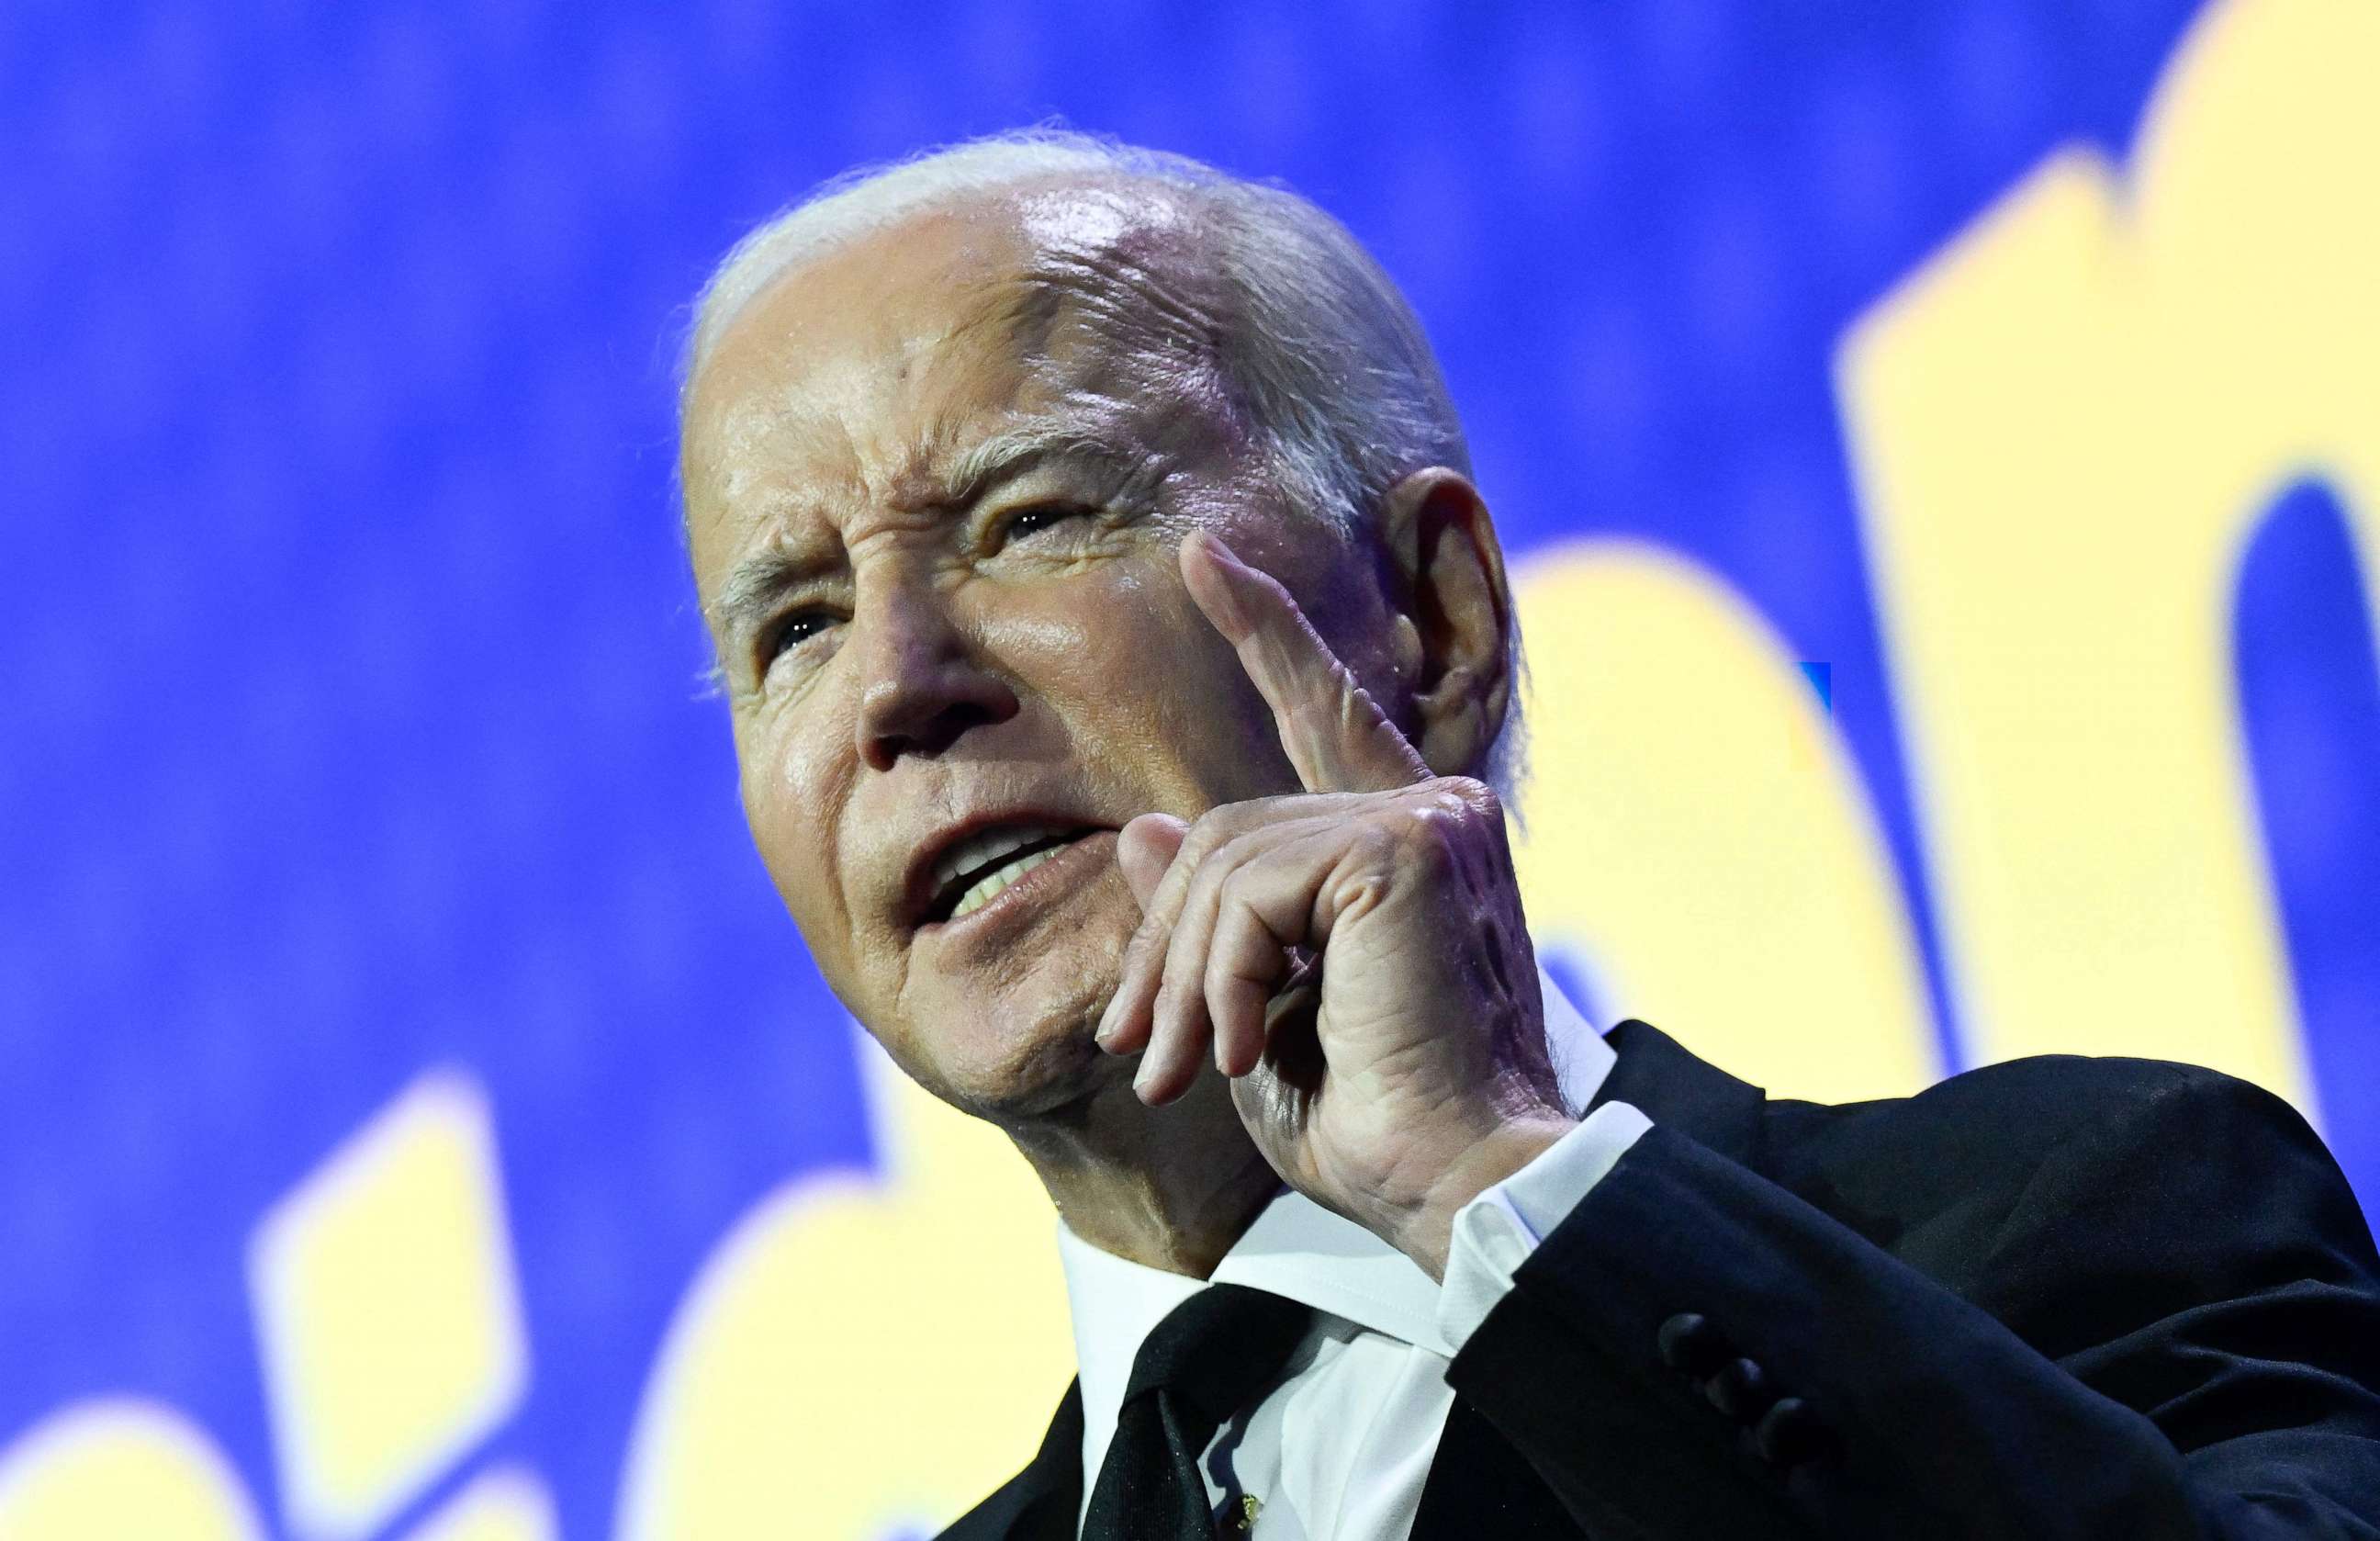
<point>1041,1502</point>
<point>1479,1484</point>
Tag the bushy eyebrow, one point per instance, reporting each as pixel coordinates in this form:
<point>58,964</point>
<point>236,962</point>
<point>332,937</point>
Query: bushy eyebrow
<point>993,461</point>
<point>755,585</point>
<point>751,590</point>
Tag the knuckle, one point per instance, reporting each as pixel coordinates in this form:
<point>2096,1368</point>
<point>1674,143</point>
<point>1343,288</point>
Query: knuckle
<point>1436,818</point>
<point>1226,823</point>
<point>1235,949</point>
<point>1458,810</point>
<point>1196,863</point>
<point>1243,914</point>
<point>1207,831</point>
<point>1220,876</point>
<point>1428,851</point>
<point>1439,824</point>
<point>1240,924</point>
<point>1473,795</point>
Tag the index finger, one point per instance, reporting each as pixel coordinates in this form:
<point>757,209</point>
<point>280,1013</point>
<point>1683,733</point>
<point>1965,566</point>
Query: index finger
<point>1334,732</point>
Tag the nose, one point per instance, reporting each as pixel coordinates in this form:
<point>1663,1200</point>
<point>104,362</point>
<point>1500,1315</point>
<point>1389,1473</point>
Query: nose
<point>922,683</point>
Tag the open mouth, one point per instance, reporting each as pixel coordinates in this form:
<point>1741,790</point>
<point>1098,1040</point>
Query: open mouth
<point>974,872</point>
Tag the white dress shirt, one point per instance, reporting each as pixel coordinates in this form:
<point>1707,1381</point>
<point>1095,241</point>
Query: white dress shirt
<point>1339,1446</point>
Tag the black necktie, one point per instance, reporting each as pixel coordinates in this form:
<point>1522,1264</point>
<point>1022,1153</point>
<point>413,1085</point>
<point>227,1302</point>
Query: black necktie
<point>1208,1356</point>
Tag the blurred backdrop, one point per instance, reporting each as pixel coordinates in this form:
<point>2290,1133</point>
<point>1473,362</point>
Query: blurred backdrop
<point>1940,447</point>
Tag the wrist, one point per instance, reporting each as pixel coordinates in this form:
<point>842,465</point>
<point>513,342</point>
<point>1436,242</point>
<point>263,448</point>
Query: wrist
<point>1426,1231</point>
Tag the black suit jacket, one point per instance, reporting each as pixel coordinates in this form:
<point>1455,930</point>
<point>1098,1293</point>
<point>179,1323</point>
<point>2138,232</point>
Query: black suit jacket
<point>2059,1297</point>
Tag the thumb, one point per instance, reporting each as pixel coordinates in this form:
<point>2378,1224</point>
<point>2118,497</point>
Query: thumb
<point>1145,848</point>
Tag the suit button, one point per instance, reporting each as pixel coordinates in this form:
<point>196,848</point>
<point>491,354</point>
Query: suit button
<point>1790,1434</point>
<point>1689,1343</point>
<point>1740,1390</point>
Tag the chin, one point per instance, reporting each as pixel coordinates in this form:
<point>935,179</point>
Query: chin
<point>1016,1076</point>
<point>1010,1048</point>
<point>1009,1039</point>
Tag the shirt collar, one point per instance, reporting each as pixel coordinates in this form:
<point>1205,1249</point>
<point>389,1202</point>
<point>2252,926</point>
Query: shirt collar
<point>1294,1247</point>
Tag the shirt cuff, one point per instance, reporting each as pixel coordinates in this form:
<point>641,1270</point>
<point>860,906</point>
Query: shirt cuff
<point>1495,1234</point>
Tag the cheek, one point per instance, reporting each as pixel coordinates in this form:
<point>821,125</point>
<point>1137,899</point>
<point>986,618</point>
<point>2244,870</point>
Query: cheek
<point>788,792</point>
<point>1074,620</point>
<point>1152,688</point>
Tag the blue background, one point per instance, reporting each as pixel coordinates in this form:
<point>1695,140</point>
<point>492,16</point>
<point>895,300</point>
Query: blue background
<point>349,709</point>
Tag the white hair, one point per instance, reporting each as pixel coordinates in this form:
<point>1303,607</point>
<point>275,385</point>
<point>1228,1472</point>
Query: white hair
<point>1330,366</point>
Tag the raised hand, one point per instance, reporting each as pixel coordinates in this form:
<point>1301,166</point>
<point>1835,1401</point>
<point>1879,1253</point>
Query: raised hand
<point>1354,956</point>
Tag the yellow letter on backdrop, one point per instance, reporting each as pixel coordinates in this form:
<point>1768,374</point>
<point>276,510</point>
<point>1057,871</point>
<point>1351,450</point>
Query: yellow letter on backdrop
<point>121,1467</point>
<point>1698,829</point>
<point>861,1353</point>
<point>2065,427</point>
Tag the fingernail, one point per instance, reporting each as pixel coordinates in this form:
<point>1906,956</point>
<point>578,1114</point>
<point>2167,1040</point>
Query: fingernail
<point>1223,553</point>
<point>1232,614</point>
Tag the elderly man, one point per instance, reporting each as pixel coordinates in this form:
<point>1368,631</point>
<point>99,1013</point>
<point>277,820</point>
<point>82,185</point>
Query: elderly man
<point>1121,666</point>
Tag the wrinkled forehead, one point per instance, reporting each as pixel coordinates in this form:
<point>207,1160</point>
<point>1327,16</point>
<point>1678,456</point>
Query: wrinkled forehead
<point>874,364</point>
<point>1113,276</point>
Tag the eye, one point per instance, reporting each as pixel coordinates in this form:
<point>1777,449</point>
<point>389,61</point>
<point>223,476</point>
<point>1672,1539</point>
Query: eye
<point>1035,518</point>
<point>791,633</point>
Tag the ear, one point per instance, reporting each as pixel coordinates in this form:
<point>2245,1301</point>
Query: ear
<point>1452,613</point>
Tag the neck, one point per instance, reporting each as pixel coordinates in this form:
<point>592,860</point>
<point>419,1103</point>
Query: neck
<point>1170,1187</point>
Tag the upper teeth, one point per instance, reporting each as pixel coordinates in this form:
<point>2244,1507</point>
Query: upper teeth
<point>986,847</point>
<point>988,887</point>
